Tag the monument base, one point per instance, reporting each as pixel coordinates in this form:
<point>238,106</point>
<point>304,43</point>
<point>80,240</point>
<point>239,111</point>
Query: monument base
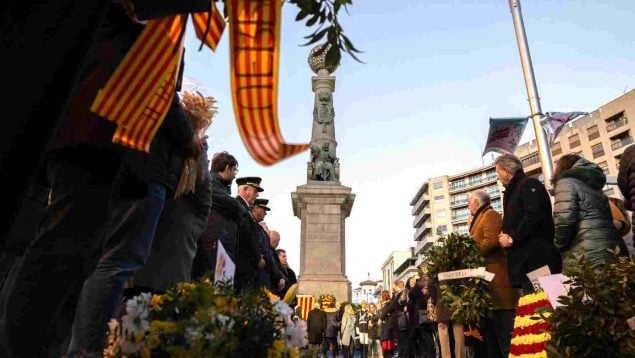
<point>317,285</point>
<point>323,207</point>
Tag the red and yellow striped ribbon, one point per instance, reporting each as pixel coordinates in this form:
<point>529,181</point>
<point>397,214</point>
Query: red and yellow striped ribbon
<point>139,93</point>
<point>254,29</point>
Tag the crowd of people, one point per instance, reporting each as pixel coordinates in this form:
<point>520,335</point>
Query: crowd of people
<point>103,222</point>
<point>412,321</point>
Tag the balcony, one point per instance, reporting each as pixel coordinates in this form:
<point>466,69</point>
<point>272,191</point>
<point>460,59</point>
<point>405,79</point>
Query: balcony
<point>613,125</point>
<point>424,199</point>
<point>621,143</point>
<point>456,203</point>
<point>419,234</point>
<point>421,217</point>
<point>473,184</point>
<point>459,218</point>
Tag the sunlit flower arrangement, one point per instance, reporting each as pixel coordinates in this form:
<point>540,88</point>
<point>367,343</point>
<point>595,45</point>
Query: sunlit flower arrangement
<point>530,334</point>
<point>200,319</point>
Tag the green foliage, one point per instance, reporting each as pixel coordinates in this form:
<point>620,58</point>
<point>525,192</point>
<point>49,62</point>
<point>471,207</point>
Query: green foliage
<point>593,321</point>
<point>467,299</point>
<point>324,14</point>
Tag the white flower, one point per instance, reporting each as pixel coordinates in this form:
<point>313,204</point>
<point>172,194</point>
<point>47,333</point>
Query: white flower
<point>225,321</point>
<point>136,318</point>
<point>282,308</point>
<point>295,334</point>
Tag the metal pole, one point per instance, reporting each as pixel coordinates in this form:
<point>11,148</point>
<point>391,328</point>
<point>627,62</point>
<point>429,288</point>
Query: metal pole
<point>532,92</point>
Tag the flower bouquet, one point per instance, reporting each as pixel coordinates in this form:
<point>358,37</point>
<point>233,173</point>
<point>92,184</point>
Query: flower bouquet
<point>200,319</point>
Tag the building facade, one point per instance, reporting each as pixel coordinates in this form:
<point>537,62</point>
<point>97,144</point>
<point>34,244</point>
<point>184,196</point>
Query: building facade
<point>600,136</point>
<point>394,260</point>
<point>366,292</point>
<point>440,205</point>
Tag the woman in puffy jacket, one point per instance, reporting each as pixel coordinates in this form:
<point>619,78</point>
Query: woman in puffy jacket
<point>581,211</point>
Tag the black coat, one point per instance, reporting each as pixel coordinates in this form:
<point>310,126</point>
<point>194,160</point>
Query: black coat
<point>316,326</point>
<point>222,225</point>
<point>528,220</point>
<point>248,246</point>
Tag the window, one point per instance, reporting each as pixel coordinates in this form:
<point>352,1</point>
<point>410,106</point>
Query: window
<point>496,204</point>
<point>475,180</point>
<point>605,167</point>
<point>621,140</point>
<point>440,214</point>
<point>458,184</point>
<point>491,175</point>
<point>616,121</point>
<point>556,149</point>
<point>597,150</point>
<point>439,199</point>
<point>462,229</point>
<point>459,199</point>
<point>529,160</point>
<point>492,190</point>
<point>593,132</point>
<point>460,214</point>
<point>438,185</point>
<point>574,141</point>
<point>442,229</point>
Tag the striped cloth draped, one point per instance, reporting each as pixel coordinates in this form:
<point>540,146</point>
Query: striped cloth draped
<point>139,93</point>
<point>254,29</point>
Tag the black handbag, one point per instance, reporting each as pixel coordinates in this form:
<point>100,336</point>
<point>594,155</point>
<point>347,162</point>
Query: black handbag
<point>423,316</point>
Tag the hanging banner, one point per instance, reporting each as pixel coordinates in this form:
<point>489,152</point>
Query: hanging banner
<point>139,93</point>
<point>553,122</point>
<point>306,305</point>
<point>504,134</point>
<point>254,29</point>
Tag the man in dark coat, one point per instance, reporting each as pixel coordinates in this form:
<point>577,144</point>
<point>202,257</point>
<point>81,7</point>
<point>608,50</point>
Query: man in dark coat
<point>316,327</point>
<point>528,229</point>
<point>249,258</point>
<point>286,271</point>
<point>222,222</point>
<point>270,274</point>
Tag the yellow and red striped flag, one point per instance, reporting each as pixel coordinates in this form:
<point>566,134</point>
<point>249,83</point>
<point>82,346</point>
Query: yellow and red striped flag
<point>139,93</point>
<point>254,29</point>
<point>305,302</point>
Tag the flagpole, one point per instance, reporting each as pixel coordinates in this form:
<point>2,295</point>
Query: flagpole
<point>532,92</point>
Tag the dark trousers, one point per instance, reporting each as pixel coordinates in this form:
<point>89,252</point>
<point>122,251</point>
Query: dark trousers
<point>330,341</point>
<point>124,254</point>
<point>85,203</point>
<point>403,342</point>
<point>498,327</point>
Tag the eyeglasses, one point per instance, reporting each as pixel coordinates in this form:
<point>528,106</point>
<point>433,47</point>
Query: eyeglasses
<point>235,169</point>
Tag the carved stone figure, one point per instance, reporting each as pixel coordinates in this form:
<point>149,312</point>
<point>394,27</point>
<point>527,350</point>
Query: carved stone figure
<point>323,112</point>
<point>325,165</point>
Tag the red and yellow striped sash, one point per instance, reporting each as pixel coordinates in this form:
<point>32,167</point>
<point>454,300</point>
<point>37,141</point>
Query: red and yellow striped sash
<point>255,52</point>
<point>139,93</point>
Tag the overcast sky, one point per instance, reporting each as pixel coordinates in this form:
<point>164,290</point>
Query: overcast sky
<point>434,72</point>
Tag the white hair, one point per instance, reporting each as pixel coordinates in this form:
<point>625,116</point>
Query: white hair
<point>482,196</point>
<point>509,162</point>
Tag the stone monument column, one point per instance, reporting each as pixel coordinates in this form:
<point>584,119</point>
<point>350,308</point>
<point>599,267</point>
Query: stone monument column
<point>323,203</point>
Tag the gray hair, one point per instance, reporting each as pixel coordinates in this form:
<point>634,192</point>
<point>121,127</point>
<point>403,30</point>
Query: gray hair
<point>482,196</point>
<point>509,162</point>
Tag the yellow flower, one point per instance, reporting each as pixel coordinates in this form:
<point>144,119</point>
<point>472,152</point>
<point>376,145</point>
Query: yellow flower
<point>531,338</point>
<point>276,349</point>
<point>532,298</point>
<point>163,327</point>
<point>153,342</point>
<point>526,321</point>
<point>156,300</point>
<point>146,352</point>
<point>542,354</point>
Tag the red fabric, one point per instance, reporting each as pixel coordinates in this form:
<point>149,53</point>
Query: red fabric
<point>388,345</point>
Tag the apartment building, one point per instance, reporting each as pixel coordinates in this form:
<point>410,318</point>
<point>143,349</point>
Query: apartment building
<point>394,260</point>
<point>440,205</point>
<point>600,136</point>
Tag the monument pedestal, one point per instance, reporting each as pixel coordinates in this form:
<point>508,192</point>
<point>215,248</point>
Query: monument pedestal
<point>323,206</point>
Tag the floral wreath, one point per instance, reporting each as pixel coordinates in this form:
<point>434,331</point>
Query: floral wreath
<point>327,300</point>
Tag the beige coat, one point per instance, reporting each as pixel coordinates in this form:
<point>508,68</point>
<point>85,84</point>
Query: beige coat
<point>484,229</point>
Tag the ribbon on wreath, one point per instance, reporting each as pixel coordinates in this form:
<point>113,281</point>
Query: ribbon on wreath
<point>465,273</point>
<point>254,30</point>
<point>139,93</point>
